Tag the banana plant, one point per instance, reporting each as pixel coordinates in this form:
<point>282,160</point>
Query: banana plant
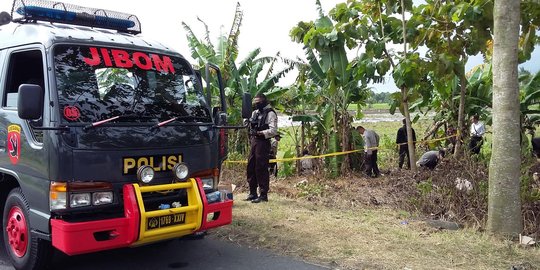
<point>529,101</point>
<point>253,74</point>
<point>332,73</point>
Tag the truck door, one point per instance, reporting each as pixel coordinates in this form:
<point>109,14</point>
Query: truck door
<point>21,146</point>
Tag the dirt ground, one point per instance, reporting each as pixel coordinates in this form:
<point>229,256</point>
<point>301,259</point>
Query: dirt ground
<point>399,205</point>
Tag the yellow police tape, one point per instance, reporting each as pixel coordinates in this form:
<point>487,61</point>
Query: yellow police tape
<point>338,153</point>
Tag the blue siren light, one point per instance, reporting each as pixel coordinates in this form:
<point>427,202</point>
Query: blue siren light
<point>43,10</point>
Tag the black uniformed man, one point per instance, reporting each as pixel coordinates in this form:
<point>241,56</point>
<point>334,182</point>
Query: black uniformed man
<point>263,127</point>
<point>401,141</point>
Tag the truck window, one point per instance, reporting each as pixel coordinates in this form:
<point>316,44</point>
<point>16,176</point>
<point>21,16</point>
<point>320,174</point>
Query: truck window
<point>98,83</point>
<point>24,67</point>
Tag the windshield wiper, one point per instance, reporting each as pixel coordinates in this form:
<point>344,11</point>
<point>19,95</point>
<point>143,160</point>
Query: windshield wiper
<point>118,117</point>
<point>160,124</point>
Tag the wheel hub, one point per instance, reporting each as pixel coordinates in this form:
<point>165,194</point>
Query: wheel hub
<point>17,231</point>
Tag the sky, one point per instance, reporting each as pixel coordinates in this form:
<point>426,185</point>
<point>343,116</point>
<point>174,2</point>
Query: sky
<point>265,25</point>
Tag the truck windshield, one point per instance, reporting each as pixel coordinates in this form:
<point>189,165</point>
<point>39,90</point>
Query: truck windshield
<point>96,83</point>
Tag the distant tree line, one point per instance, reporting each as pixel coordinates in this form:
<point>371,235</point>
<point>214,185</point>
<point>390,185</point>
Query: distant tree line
<point>383,97</point>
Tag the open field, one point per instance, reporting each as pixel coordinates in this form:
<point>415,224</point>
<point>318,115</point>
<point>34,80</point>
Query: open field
<point>375,106</point>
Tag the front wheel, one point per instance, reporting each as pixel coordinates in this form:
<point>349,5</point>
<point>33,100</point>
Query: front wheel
<point>26,252</point>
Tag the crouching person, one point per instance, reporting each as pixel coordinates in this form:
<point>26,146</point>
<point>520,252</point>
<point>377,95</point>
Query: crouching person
<point>430,159</point>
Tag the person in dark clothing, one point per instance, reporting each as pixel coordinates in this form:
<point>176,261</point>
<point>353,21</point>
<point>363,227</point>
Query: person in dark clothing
<point>430,159</point>
<point>263,126</point>
<point>536,147</point>
<point>401,141</point>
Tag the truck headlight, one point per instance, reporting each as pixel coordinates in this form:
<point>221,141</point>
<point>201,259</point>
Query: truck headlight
<point>81,193</point>
<point>57,196</point>
<point>145,174</point>
<point>100,198</point>
<point>79,199</point>
<point>181,171</point>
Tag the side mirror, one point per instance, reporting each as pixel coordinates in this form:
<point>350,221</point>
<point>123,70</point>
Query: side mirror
<point>30,102</point>
<point>5,18</point>
<point>246,106</point>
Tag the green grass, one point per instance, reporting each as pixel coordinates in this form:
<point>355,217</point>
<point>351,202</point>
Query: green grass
<point>375,106</point>
<point>387,132</point>
<point>386,129</point>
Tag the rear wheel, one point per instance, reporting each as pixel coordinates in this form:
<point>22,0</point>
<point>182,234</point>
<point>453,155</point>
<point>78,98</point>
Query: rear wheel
<point>26,252</point>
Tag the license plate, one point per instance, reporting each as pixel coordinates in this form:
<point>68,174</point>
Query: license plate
<point>164,221</point>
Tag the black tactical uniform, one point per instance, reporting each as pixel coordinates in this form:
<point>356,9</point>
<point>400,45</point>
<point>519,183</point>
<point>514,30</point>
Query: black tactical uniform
<point>263,128</point>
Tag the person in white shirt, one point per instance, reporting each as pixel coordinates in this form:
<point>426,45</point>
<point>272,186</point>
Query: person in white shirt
<point>371,142</point>
<point>477,132</point>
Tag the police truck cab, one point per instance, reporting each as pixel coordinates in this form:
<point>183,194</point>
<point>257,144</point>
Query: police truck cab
<point>107,139</point>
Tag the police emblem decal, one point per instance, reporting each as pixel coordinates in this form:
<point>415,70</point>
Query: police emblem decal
<point>14,143</point>
<point>71,113</point>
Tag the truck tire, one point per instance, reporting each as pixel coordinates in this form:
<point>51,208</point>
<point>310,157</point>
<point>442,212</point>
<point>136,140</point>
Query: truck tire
<point>25,251</point>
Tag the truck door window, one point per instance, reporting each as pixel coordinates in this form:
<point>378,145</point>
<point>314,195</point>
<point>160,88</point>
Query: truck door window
<point>104,82</point>
<point>24,67</point>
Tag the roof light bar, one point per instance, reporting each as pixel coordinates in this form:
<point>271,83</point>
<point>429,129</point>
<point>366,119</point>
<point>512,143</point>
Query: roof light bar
<point>43,10</point>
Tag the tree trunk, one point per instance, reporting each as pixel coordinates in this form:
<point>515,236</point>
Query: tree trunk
<point>300,148</point>
<point>334,146</point>
<point>410,143</point>
<point>461,112</point>
<point>504,203</point>
<point>302,137</point>
<point>432,131</point>
<point>405,102</point>
<point>345,165</point>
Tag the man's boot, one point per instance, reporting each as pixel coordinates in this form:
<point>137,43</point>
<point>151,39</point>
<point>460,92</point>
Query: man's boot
<point>251,197</point>
<point>262,198</point>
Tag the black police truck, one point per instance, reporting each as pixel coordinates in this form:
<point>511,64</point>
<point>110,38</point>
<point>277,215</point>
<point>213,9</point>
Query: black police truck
<point>107,139</point>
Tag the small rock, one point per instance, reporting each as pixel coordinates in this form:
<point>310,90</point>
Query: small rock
<point>441,224</point>
<point>526,240</point>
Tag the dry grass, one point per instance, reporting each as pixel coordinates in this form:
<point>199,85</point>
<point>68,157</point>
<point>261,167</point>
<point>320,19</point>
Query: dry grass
<point>354,224</point>
<point>366,238</point>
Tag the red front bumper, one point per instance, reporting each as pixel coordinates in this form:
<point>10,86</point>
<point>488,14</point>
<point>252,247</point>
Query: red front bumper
<point>84,237</point>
